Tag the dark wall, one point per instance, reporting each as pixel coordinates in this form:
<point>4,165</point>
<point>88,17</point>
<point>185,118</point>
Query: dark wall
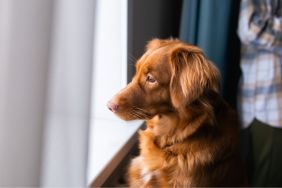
<point>148,19</point>
<point>233,71</point>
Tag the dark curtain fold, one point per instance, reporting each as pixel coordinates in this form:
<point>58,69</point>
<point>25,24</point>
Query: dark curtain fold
<point>211,25</point>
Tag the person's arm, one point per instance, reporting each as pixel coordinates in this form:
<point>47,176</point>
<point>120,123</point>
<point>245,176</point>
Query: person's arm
<point>260,24</point>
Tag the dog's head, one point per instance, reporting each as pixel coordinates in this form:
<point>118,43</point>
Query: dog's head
<point>169,76</point>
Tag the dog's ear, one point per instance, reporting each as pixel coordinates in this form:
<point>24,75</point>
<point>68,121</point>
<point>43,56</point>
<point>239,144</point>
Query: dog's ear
<point>192,75</point>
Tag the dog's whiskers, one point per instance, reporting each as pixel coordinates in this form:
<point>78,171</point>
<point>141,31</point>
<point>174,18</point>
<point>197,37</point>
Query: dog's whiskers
<point>135,114</point>
<point>137,108</point>
<point>131,60</point>
<point>141,112</point>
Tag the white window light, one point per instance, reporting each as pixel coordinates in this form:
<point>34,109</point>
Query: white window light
<point>110,137</point>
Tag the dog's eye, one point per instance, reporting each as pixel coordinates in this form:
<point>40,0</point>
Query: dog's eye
<point>150,79</point>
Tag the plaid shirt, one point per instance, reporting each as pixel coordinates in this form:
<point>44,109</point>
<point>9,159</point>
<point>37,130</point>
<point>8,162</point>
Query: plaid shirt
<point>260,32</point>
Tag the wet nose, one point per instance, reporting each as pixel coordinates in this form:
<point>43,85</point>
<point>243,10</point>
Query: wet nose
<point>112,106</point>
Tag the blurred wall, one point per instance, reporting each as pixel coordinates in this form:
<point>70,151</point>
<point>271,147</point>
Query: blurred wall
<point>24,41</point>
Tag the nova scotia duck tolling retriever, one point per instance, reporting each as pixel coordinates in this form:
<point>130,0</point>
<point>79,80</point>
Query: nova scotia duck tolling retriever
<point>191,135</point>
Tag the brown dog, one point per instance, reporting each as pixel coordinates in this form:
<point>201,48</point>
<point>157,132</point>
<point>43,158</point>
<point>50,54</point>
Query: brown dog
<point>191,135</point>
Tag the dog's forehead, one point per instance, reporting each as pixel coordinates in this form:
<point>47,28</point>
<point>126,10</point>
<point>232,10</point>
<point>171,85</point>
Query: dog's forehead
<point>156,63</point>
<point>156,59</point>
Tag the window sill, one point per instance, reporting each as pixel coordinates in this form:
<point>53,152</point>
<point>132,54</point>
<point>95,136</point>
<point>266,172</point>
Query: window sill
<point>110,141</point>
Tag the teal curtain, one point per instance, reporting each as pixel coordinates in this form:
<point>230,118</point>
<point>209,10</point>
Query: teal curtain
<point>211,25</point>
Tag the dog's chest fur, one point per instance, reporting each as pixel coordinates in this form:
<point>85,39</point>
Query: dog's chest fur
<point>162,163</point>
<point>168,159</point>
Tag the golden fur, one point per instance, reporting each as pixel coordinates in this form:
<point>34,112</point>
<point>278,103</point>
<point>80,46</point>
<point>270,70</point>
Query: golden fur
<point>191,134</point>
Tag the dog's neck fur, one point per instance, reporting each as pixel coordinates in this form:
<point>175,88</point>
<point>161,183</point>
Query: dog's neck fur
<point>173,128</point>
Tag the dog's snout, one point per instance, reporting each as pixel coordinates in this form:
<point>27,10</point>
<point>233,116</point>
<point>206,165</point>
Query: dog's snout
<point>112,106</point>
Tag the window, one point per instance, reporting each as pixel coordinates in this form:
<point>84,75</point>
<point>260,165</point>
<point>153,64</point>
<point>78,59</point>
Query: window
<point>110,137</point>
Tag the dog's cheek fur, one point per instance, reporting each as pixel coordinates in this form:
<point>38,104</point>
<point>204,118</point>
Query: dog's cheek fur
<point>158,101</point>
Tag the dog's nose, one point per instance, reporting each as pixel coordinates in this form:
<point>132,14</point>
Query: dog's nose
<point>112,106</point>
